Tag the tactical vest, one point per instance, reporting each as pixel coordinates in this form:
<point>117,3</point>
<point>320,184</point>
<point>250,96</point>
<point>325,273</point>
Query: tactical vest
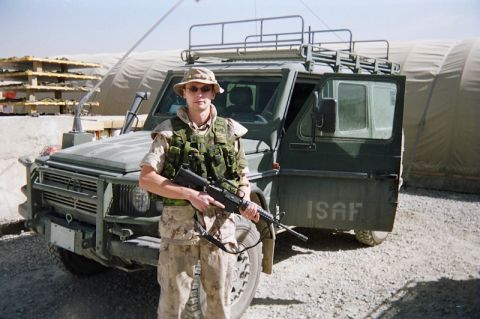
<point>211,155</point>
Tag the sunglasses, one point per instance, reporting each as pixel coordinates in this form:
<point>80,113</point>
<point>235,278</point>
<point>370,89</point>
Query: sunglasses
<point>203,89</point>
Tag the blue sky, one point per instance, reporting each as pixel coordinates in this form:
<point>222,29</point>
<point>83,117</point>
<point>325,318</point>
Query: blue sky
<point>55,27</point>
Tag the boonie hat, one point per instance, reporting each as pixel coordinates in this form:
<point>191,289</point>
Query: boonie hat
<point>201,75</point>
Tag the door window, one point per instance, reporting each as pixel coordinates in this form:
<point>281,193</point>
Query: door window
<point>352,107</point>
<point>364,109</point>
<point>384,96</point>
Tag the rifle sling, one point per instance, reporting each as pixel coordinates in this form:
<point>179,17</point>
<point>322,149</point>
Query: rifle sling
<point>216,242</point>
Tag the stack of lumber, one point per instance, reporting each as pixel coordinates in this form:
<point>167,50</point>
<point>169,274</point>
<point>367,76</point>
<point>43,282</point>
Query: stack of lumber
<point>29,76</point>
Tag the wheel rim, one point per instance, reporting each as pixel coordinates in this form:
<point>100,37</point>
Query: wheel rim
<point>379,235</point>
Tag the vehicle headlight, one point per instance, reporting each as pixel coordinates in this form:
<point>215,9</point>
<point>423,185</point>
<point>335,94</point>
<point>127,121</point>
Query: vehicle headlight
<point>140,199</point>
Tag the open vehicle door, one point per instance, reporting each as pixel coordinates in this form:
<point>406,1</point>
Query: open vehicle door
<point>340,157</point>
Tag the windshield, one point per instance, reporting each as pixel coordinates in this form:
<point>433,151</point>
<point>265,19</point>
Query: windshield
<point>247,99</point>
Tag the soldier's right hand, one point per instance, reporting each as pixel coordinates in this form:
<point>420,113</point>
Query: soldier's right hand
<point>202,201</point>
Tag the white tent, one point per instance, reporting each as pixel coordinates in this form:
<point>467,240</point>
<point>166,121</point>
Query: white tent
<point>144,71</point>
<point>442,113</point>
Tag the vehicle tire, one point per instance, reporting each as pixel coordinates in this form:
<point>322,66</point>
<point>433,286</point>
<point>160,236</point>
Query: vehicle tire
<point>371,237</point>
<point>73,263</point>
<point>245,278</point>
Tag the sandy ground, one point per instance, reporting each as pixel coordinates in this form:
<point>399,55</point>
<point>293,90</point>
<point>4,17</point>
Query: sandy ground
<point>429,267</point>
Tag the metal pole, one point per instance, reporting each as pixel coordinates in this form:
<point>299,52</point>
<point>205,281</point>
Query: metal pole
<point>77,123</point>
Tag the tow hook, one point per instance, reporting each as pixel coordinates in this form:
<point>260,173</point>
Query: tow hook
<point>123,233</point>
<point>88,243</point>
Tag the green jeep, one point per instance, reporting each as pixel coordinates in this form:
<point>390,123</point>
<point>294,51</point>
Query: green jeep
<point>324,149</point>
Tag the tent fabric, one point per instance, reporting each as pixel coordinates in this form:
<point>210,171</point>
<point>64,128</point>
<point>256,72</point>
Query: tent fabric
<point>442,113</point>
<point>442,104</point>
<point>143,71</point>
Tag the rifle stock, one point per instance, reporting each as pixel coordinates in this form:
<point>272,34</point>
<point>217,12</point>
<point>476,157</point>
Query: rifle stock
<point>231,201</point>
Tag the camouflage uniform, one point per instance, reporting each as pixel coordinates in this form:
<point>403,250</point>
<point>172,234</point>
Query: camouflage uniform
<point>182,246</point>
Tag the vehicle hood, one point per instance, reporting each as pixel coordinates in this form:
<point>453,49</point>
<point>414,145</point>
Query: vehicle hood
<point>122,154</point>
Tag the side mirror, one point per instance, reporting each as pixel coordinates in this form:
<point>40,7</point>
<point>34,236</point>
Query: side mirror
<point>325,115</point>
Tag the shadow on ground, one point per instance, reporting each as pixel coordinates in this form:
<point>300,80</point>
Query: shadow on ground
<point>318,240</point>
<point>274,302</point>
<point>445,298</point>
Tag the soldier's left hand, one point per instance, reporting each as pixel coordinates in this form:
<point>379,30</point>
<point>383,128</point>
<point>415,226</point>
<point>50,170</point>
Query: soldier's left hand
<point>251,212</point>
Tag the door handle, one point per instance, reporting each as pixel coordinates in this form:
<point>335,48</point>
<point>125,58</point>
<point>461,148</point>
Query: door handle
<point>302,147</point>
<point>385,176</point>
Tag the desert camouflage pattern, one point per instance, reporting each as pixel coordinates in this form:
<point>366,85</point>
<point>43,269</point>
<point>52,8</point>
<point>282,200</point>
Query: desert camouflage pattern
<point>181,244</point>
<point>175,276</point>
<point>178,226</point>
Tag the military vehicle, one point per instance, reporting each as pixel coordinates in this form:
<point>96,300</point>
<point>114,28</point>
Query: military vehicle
<point>324,150</point>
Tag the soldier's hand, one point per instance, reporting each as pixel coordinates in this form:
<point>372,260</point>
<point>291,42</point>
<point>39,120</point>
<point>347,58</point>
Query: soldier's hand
<point>251,212</point>
<point>202,201</point>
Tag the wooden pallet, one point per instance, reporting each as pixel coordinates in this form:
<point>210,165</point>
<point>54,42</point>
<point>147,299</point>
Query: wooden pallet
<point>43,75</point>
<point>26,75</point>
<point>46,103</point>
<point>22,62</point>
<point>22,87</point>
<point>33,105</point>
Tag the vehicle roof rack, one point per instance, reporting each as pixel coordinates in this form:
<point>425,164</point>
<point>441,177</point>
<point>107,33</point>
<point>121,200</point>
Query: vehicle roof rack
<point>301,45</point>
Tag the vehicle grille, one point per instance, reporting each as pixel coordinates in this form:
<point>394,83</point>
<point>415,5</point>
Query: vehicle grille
<point>70,202</point>
<point>82,184</point>
<point>78,192</point>
<point>68,189</point>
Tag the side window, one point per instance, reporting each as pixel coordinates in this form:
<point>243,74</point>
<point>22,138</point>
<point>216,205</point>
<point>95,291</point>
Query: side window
<point>384,96</point>
<point>352,107</point>
<point>365,109</point>
<point>300,94</point>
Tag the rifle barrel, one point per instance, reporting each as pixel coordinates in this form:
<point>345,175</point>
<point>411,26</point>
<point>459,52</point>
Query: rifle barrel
<point>265,215</point>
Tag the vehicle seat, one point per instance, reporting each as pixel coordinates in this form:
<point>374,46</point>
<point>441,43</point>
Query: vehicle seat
<point>241,98</point>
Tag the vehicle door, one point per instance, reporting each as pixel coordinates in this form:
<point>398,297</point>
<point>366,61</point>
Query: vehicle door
<point>340,155</point>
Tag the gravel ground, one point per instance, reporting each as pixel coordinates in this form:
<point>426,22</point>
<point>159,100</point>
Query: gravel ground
<point>429,267</point>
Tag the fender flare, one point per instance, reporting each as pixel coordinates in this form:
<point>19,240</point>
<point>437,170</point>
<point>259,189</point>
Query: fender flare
<point>267,232</point>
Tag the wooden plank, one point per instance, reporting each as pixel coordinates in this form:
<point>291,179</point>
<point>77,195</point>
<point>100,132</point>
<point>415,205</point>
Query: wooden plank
<point>116,121</point>
<point>90,125</point>
<point>21,87</point>
<point>47,102</point>
<point>24,75</point>
<point>28,60</point>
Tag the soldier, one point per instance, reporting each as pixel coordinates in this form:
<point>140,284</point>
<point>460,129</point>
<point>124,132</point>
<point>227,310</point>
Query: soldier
<point>211,146</point>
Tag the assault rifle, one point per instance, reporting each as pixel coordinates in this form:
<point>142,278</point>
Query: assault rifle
<point>231,201</point>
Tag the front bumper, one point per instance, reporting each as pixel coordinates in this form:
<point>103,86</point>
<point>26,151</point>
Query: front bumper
<point>80,239</point>
<point>73,210</point>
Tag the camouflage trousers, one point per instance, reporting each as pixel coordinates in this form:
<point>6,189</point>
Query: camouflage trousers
<point>175,275</point>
